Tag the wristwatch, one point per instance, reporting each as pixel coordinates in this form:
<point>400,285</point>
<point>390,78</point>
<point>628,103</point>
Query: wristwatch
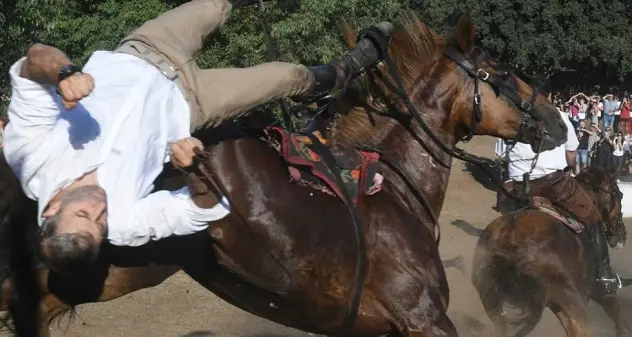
<point>65,72</point>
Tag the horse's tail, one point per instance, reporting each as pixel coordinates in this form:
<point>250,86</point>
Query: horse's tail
<point>513,300</point>
<point>17,254</point>
<point>25,300</point>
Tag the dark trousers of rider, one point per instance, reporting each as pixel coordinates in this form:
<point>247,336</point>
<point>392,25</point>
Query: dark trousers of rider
<point>567,193</point>
<point>213,94</point>
<point>563,191</point>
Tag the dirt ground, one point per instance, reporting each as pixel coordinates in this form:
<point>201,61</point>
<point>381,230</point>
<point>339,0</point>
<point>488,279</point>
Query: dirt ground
<point>181,308</point>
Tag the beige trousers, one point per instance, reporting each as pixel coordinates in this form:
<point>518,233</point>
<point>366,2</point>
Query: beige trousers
<point>170,42</point>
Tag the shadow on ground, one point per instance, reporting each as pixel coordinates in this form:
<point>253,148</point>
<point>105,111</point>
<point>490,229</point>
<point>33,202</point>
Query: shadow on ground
<point>484,175</point>
<point>211,334</point>
<point>470,326</point>
<point>457,262</point>
<point>274,335</point>
<point>467,228</point>
<point>602,325</point>
<point>199,334</point>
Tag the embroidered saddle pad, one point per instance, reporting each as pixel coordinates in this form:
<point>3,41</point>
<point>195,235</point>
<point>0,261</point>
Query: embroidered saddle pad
<point>306,167</point>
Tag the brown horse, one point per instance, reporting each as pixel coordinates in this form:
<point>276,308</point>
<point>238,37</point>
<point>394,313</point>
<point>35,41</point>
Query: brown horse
<point>528,260</point>
<point>287,253</point>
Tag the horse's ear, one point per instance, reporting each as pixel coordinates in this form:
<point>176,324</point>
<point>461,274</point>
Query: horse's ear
<point>466,34</point>
<point>614,171</point>
<point>347,32</point>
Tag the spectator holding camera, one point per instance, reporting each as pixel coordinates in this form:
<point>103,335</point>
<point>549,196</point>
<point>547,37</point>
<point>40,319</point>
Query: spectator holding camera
<point>583,135</point>
<point>624,124</point>
<point>610,106</point>
<point>617,153</point>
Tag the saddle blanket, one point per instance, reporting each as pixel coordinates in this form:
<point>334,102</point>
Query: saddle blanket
<point>357,168</point>
<point>546,207</point>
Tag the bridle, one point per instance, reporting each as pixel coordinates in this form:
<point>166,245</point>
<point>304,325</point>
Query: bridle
<point>473,68</point>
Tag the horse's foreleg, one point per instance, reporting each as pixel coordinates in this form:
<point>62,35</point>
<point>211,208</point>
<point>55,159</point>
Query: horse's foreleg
<point>423,317</point>
<point>610,305</point>
<point>50,306</point>
<point>442,326</point>
<point>570,310</point>
<point>122,281</point>
<point>119,282</point>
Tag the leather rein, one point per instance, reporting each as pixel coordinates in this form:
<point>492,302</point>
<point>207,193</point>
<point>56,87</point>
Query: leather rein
<point>473,69</point>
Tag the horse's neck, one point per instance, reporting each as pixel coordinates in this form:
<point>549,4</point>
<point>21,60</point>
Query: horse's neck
<point>424,165</point>
<point>420,160</point>
<point>417,158</point>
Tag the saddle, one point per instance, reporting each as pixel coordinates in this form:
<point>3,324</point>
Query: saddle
<point>545,205</point>
<point>357,168</point>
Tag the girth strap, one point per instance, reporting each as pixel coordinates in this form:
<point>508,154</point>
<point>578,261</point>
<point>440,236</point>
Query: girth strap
<point>356,291</point>
<point>140,50</point>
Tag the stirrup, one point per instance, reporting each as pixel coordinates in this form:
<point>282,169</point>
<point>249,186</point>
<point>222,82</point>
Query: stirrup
<point>616,279</point>
<point>606,283</point>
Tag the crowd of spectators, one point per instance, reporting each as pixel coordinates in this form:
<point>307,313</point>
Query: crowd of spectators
<point>601,121</point>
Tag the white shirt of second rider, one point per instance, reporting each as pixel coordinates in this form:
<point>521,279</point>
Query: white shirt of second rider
<point>521,157</point>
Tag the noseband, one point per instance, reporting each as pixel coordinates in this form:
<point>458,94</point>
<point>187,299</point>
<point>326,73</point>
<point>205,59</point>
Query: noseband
<point>498,83</point>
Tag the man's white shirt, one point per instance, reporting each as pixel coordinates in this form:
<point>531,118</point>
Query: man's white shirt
<point>122,130</point>
<point>521,156</point>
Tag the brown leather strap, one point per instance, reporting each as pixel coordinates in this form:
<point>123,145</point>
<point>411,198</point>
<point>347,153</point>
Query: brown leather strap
<point>201,181</point>
<point>141,51</point>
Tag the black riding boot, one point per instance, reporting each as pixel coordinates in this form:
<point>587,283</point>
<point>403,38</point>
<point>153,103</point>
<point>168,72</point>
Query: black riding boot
<point>607,280</point>
<point>336,74</point>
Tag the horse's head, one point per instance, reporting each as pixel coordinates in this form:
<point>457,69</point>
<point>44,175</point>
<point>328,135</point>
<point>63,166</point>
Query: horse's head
<point>457,88</point>
<point>509,108</point>
<point>465,91</point>
<point>603,184</point>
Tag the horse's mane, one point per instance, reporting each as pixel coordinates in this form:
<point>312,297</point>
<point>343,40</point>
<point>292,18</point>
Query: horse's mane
<point>594,176</point>
<point>596,180</point>
<point>414,48</point>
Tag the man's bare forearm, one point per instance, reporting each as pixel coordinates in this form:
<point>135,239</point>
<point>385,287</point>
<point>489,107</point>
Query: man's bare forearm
<point>43,64</point>
<point>571,158</point>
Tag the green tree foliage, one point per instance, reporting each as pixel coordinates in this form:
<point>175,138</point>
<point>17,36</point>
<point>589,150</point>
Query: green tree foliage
<point>542,38</point>
<point>306,33</point>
